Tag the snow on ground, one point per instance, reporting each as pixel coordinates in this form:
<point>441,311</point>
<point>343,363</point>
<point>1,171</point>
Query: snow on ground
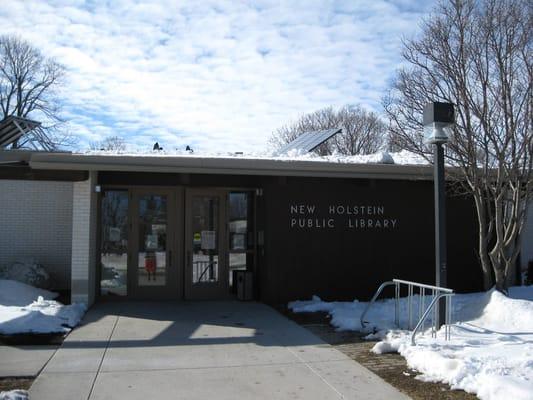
<point>15,293</point>
<point>25,309</point>
<point>14,395</point>
<point>491,348</point>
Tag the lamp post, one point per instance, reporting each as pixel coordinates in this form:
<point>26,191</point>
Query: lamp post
<point>438,120</point>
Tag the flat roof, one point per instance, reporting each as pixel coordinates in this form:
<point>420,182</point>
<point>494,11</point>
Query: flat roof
<point>230,165</point>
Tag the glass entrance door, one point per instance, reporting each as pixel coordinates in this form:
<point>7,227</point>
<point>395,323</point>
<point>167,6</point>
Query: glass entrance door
<point>206,275</point>
<point>175,243</point>
<point>153,271</point>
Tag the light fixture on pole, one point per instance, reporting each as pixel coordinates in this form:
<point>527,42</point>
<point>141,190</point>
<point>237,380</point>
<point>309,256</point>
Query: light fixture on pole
<point>438,121</point>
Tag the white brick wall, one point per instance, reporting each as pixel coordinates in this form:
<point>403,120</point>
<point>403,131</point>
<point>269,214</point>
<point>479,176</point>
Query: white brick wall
<point>84,241</point>
<point>36,221</point>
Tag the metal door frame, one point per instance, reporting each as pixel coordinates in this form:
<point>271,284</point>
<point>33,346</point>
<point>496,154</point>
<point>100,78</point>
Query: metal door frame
<point>174,276</point>
<point>206,291</point>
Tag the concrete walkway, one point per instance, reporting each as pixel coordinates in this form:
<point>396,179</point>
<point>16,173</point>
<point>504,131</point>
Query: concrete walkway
<point>24,361</point>
<point>200,350</point>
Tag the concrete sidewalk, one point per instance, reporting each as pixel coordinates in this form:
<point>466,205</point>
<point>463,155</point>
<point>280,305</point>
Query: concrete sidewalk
<point>24,360</point>
<point>200,350</point>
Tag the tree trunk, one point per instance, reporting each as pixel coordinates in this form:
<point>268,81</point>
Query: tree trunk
<point>487,272</point>
<point>483,251</point>
<point>501,280</point>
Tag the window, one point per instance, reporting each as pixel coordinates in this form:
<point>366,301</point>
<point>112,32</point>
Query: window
<point>152,267</point>
<point>241,232</point>
<point>114,243</point>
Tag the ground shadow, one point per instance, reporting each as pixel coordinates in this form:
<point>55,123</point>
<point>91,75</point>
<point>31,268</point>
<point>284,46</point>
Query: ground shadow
<point>180,324</point>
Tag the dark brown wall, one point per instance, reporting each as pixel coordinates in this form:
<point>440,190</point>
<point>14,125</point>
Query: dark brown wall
<point>21,171</point>
<point>343,263</point>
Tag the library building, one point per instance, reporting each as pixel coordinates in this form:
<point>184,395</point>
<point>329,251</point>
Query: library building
<point>157,226</point>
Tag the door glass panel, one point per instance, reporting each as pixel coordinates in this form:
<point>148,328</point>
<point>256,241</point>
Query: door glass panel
<point>240,233</point>
<point>114,243</point>
<point>205,250</point>
<point>240,221</point>
<point>151,270</point>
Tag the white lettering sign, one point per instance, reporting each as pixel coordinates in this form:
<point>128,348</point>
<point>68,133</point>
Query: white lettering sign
<point>369,216</point>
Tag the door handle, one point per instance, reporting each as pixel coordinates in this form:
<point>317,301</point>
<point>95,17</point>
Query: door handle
<point>170,258</point>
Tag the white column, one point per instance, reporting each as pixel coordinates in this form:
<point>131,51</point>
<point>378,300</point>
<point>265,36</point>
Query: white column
<point>84,223</point>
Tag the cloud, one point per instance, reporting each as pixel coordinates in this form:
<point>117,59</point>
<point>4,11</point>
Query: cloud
<point>221,75</point>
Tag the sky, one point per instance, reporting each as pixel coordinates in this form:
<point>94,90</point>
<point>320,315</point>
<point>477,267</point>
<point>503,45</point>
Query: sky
<point>219,76</point>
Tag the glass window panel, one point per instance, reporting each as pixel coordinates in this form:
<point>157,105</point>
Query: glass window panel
<point>240,221</point>
<point>151,270</point>
<point>205,255</point>
<point>114,243</point>
<point>240,234</point>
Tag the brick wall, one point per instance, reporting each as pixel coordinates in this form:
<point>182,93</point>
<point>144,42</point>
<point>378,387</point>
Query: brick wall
<point>36,221</point>
<point>84,214</point>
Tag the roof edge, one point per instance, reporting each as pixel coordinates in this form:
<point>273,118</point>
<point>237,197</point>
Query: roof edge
<point>233,166</point>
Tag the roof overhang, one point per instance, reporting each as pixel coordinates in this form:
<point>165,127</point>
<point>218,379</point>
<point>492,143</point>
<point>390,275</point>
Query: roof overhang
<point>227,166</point>
<point>14,164</point>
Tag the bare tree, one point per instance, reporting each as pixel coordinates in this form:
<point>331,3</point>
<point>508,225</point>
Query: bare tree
<point>28,84</point>
<point>110,143</point>
<point>477,54</point>
<point>363,132</point>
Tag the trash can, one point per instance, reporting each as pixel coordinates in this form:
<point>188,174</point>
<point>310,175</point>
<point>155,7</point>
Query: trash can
<point>245,283</point>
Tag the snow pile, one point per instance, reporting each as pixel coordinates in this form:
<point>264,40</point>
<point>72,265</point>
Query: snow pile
<point>27,271</point>
<point>381,157</point>
<point>345,316</point>
<point>490,352</point>
<point>25,309</point>
<point>406,157</point>
<point>14,395</point>
<point>13,293</point>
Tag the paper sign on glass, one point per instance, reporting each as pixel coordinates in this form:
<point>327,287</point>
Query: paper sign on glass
<point>197,238</point>
<point>208,240</point>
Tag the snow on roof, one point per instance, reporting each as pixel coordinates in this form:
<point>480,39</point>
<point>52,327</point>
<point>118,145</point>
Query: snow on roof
<point>403,157</point>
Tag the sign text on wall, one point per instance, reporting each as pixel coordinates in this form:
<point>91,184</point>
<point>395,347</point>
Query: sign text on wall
<point>308,216</point>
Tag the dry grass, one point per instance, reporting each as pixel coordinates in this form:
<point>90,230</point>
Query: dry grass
<point>7,384</point>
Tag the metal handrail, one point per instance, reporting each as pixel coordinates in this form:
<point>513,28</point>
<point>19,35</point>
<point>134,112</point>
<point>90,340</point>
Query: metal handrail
<point>208,265</point>
<point>436,292</point>
<point>423,285</point>
<point>378,292</point>
<point>447,329</point>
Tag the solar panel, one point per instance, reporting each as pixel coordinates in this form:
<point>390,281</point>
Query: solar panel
<point>12,128</point>
<point>309,141</point>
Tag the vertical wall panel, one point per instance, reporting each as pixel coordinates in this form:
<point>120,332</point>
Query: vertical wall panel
<point>84,215</point>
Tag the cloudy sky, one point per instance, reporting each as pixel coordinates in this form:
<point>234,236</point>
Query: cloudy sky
<point>216,75</point>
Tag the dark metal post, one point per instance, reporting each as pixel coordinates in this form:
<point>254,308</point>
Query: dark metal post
<point>211,227</point>
<point>440,228</point>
